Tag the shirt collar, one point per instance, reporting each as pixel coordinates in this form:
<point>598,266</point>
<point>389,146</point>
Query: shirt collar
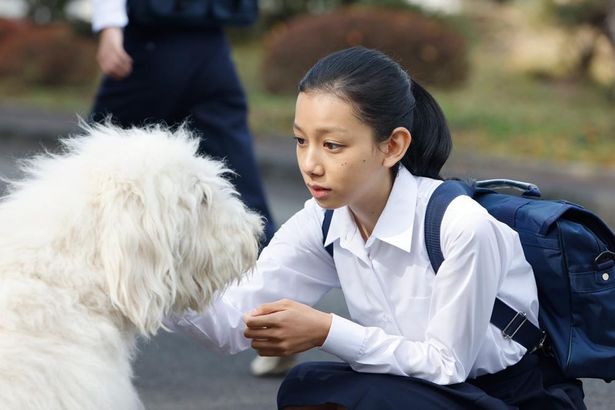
<point>342,223</point>
<point>396,222</point>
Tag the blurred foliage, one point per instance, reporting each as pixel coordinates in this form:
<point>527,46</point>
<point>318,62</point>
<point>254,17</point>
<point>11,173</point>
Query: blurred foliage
<point>597,14</point>
<point>496,111</point>
<point>50,54</point>
<point>574,12</point>
<point>428,49</point>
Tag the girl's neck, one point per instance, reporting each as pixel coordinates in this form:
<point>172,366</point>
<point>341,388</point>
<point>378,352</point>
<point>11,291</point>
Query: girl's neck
<point>367,212</point>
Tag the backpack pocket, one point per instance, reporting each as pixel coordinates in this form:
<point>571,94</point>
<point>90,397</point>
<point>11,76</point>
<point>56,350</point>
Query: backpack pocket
<point>592,344</point>
<point>592,281</point>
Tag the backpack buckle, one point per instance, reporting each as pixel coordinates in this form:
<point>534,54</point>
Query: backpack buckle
<point>540,343</point>
<point>517,321</point>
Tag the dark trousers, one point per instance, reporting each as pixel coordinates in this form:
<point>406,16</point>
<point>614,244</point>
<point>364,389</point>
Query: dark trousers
<point>188,75</point>
<point>535,383</point>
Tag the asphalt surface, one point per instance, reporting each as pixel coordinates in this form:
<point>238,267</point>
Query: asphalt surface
<point>174,372</point>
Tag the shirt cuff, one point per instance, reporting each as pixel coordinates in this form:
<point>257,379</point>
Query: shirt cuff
<point>118,21</point>
<point>345,339</point>
<point>107,13</point>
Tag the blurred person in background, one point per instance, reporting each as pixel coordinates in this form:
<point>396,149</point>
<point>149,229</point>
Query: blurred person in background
<point>171,72</point>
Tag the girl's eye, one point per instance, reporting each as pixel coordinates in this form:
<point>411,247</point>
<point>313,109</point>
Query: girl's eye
<point>300,141</point>
<point>332,146</point>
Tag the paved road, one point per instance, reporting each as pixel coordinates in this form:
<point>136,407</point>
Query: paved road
<point>172,372</point>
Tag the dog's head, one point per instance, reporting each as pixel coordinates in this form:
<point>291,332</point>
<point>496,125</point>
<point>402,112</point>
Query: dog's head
<point>169,229</point>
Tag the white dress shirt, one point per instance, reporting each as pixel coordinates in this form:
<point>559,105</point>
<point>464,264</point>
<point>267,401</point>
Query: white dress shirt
<point>406,320</point>
<point>108,13</point>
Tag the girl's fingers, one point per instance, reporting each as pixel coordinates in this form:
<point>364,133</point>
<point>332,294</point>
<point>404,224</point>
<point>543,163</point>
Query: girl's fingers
<point>266,348</point>
<point>270,320</point>
<point>272,307</point>
<point>257,322</point>
<point>261,333</point>
<point>264,344</point>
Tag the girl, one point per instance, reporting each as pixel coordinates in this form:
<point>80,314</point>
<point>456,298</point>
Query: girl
<point>370,145</point>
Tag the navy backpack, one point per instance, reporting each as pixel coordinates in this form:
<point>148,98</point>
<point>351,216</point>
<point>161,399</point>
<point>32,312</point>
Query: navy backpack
<point>572,253</point>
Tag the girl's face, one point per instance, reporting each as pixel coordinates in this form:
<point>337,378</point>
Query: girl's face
<point>340,161</point>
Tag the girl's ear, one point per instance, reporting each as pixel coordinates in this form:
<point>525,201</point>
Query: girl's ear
<point>395,146</point>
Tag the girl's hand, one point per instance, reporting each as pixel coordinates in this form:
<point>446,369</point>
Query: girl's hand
<point>286,327</point>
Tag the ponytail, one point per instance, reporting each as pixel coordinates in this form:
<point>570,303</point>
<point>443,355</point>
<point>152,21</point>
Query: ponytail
<point>431,138</point>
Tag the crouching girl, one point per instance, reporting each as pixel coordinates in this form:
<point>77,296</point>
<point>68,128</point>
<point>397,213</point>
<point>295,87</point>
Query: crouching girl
<point>370,145</point>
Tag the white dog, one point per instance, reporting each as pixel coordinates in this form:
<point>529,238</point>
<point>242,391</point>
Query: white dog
<point>97,246</point>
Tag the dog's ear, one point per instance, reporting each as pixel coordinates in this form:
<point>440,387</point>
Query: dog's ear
<point>136,253</point>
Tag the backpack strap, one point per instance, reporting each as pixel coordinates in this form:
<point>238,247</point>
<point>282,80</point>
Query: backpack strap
<point>325,230</point>
<point>514,325</point>
<point>439,201</point>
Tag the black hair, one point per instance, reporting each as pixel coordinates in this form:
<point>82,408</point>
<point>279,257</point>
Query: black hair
<point>385,97</point>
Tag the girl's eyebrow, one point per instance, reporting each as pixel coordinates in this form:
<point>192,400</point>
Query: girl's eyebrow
<point>324,130</point>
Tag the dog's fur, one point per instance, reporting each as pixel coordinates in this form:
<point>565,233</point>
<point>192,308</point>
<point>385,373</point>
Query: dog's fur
<point>97,245</point>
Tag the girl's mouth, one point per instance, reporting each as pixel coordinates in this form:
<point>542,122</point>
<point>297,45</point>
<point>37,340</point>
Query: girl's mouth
<point>319,192</point>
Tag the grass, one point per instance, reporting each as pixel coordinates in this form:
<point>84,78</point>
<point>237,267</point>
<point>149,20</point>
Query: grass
<point>505,113</point>
<point>498,112</point>
<point>74,99</point>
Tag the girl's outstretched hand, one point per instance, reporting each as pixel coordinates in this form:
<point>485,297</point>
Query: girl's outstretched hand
<point>286,327</point>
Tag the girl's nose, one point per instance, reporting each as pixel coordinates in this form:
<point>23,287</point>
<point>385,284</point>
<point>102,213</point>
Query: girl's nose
<point>310,162</point>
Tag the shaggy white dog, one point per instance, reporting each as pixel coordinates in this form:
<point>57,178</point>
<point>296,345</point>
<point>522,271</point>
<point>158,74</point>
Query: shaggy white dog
<point>97,246</point>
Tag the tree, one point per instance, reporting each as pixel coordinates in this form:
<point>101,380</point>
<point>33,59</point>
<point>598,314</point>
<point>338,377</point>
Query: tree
<point>572,14</point>
<point>610,21</point>
<point>597,14</point>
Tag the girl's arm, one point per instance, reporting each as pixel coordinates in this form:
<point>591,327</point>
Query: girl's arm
<point>293,266</point>
<point>477,251</point>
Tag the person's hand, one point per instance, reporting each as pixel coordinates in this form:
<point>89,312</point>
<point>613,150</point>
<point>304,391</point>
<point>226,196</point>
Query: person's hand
<point>112,58</point>
<point>286,327</point>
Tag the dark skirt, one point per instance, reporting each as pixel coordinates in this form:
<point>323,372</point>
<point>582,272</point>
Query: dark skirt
<point>535,383</point>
